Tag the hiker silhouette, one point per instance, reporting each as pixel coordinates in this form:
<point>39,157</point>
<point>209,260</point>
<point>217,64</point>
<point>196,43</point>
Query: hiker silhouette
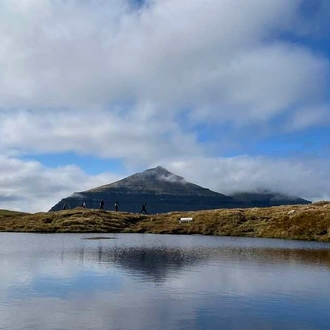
<point>144,208</point>
<point>116,206</point>
<point>101,204</point>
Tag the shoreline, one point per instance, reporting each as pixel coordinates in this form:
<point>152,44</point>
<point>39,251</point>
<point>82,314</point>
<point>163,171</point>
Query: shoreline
<point>309,222</point>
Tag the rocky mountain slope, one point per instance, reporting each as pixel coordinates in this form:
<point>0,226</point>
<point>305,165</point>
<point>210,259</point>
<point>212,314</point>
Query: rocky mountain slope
<point>162,191</point>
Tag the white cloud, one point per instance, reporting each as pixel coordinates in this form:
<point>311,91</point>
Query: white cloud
<point>100,133</point>
<point>307,178</point>
<point>223,56</point>
<point>309,116</point>
<point>30,186</point>
<point>102,78</point>
<point>264,82</point>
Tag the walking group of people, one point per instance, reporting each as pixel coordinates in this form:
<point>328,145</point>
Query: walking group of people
<point>102,205</point>
<point>83,204</point>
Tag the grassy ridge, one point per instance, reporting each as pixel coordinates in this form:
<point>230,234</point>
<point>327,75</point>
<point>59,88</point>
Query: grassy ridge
<point>304,222</point>
<point>78,220</point>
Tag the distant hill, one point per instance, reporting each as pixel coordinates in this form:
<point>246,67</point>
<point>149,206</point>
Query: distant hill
<point>163,192</point>
<point>266,199</point>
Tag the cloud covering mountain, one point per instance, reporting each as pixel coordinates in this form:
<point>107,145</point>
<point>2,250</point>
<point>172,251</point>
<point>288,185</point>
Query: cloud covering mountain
<point>165,192</point>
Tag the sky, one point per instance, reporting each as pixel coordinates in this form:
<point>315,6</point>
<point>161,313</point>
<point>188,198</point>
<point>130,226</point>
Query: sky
<point>232,95</point>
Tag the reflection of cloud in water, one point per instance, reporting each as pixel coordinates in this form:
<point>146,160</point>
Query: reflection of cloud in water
<point>159,263</point>
<point>266,255</point>
<point>208,299</point>
<point>241,270</point>
<point>51,286</point>
<point>202,282</point>
<point>153,258</point>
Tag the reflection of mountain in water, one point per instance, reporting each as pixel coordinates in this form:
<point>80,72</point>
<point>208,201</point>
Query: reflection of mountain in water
<point>153,263</point>
<point>156,264</point>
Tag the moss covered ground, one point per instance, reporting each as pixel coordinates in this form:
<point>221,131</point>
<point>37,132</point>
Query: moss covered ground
<point>303,222</point>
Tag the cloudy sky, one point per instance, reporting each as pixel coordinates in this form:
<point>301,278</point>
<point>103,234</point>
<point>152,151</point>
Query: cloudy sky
<point>231,94</point>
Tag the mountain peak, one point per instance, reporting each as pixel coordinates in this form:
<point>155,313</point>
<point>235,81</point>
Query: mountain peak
<point>158,169</point>
<point>152,178</point>
<point>158,180</point>
<point>160,173</point>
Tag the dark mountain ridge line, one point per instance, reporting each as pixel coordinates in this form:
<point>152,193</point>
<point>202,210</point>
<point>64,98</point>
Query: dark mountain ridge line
<point>164,192</point>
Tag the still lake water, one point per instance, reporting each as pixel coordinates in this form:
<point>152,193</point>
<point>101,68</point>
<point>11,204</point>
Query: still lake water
<point>65,281</point>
